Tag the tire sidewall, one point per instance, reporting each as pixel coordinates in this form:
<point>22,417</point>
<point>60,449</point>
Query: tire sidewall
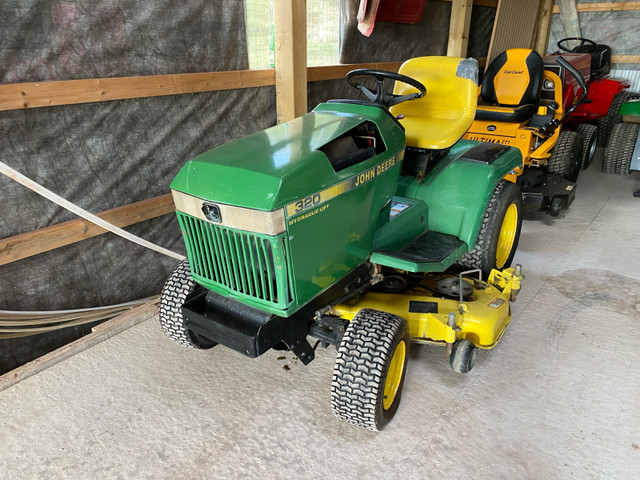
<point>402,334</point>
<point>508,195</point>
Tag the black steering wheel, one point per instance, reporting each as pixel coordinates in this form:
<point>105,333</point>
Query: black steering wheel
<point>591,45</point>
<point>379,96</point>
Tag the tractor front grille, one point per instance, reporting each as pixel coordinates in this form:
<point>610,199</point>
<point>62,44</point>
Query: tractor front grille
<point>251,266</point>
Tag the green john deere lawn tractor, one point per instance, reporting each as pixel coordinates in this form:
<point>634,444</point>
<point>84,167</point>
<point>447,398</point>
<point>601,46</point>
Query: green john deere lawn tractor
<point>366,225</point>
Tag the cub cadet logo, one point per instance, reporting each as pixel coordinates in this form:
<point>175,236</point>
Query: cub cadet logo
<point>514,72</point>
<point>501,141</point>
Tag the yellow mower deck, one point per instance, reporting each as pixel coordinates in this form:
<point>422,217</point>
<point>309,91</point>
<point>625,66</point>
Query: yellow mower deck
<point>481,318</point>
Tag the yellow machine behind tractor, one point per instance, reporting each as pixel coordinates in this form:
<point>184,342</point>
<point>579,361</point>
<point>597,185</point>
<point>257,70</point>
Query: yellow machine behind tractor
<point>511,112</point>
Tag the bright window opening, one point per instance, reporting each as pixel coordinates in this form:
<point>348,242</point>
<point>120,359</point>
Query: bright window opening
<point>323,21</point>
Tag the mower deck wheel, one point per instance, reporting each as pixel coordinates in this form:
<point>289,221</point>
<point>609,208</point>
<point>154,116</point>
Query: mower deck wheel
<point>370,369</point>
<point>175,291</point>
<point>500,231</point>
<point>619,151</point>
<point>589,134</point>
<point>463,356</point>
<point>566,156</point>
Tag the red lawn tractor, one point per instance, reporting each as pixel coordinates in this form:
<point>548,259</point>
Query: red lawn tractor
<point>597,115</point>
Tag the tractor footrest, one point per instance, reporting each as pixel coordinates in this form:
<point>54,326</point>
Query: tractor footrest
<point>431,251</point>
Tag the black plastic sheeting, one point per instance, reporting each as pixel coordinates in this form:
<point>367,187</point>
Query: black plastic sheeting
<point>391,42</point>
<point>43,40</point>
<point>105,155</point>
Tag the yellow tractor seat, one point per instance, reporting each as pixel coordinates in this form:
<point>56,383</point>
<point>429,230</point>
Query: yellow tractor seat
<point>510,89</point>
<point>440,118</point>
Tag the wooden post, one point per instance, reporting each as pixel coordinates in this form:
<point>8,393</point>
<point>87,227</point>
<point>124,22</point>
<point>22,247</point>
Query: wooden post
<point>569,15</point>
<point>459,28</point>
<point>290,18</point>
<point>544,27</point>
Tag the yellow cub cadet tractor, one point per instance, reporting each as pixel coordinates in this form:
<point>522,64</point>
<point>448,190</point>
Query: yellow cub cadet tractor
<point>511,112</point>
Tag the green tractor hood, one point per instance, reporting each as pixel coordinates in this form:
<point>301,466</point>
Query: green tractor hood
<point>271,168</point>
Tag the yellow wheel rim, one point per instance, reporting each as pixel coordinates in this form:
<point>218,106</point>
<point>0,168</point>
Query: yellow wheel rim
<point>394,375</point>
<point>507,235</point>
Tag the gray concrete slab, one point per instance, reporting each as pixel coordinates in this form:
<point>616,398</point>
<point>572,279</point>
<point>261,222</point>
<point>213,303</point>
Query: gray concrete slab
<point>559,398</point>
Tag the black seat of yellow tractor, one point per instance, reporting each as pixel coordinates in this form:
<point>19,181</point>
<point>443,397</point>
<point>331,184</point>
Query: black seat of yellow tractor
<point>511,86</point>
<point>440,118</point>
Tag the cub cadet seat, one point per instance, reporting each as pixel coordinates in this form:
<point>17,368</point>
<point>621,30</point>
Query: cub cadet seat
<point>440,118</point>
<point>511,86</point>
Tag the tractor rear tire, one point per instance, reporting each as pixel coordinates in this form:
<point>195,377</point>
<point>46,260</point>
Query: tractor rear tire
<point>566,156</point>
<point>606,123</point>
<point>500,231</point>
<point>370,369</point>
<point>463,356</point>
<point>175,291</point>
<point>619,151</point>
<point>589,134</point>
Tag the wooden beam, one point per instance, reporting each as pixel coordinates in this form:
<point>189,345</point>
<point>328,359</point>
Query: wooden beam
<point>544,27</point>
<point>45,239</point>
<point>291,58</point>
<point>482,3</point>
<point>604,7</point>
<point>625,58</point>
<point>459,28</point>
<point>98,334</point>
<point>44,94</point>
<point>17,96</point>
<point>336,72</point>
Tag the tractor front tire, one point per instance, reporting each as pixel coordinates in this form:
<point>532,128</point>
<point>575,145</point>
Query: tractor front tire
<point>619,151</point>
<point>566,156</point>
<point>589,134</point>
<point>613,117</point>
<point>370,369</point>
<point>499,233</point>
<point>175,291</point>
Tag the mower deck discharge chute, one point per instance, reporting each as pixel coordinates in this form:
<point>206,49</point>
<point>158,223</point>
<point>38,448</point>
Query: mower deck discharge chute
<point>346,225</point>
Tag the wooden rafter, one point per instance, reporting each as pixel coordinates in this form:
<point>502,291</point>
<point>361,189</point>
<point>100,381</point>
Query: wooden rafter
<point>55,236</point>
<point>604,7</point>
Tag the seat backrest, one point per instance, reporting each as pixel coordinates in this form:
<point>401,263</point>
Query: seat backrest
<point>440,118</point>
<point>513,78</point>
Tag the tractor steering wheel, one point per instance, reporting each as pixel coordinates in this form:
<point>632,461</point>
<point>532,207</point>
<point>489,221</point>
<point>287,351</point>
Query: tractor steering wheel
<point>591,45</point>
<point>379,96</point>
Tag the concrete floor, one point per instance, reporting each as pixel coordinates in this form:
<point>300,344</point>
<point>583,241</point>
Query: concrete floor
<point>559,398</point>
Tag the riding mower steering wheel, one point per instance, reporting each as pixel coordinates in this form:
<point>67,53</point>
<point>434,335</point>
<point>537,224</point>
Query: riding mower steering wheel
<point>591,45</point>
<point>379,96</point>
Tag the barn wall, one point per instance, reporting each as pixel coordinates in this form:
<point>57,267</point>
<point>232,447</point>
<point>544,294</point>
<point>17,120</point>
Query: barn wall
<point>109,154</point>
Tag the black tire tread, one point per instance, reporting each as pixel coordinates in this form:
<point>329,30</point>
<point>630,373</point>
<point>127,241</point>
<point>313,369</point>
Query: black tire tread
<point>174,292</point>
<point>460,356</point>
<point>357,385</point>
<point>619,151</point>
<point>565,155</point>
<point>482,256</point>
<point>606,123</point>
<point>589,134</point>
